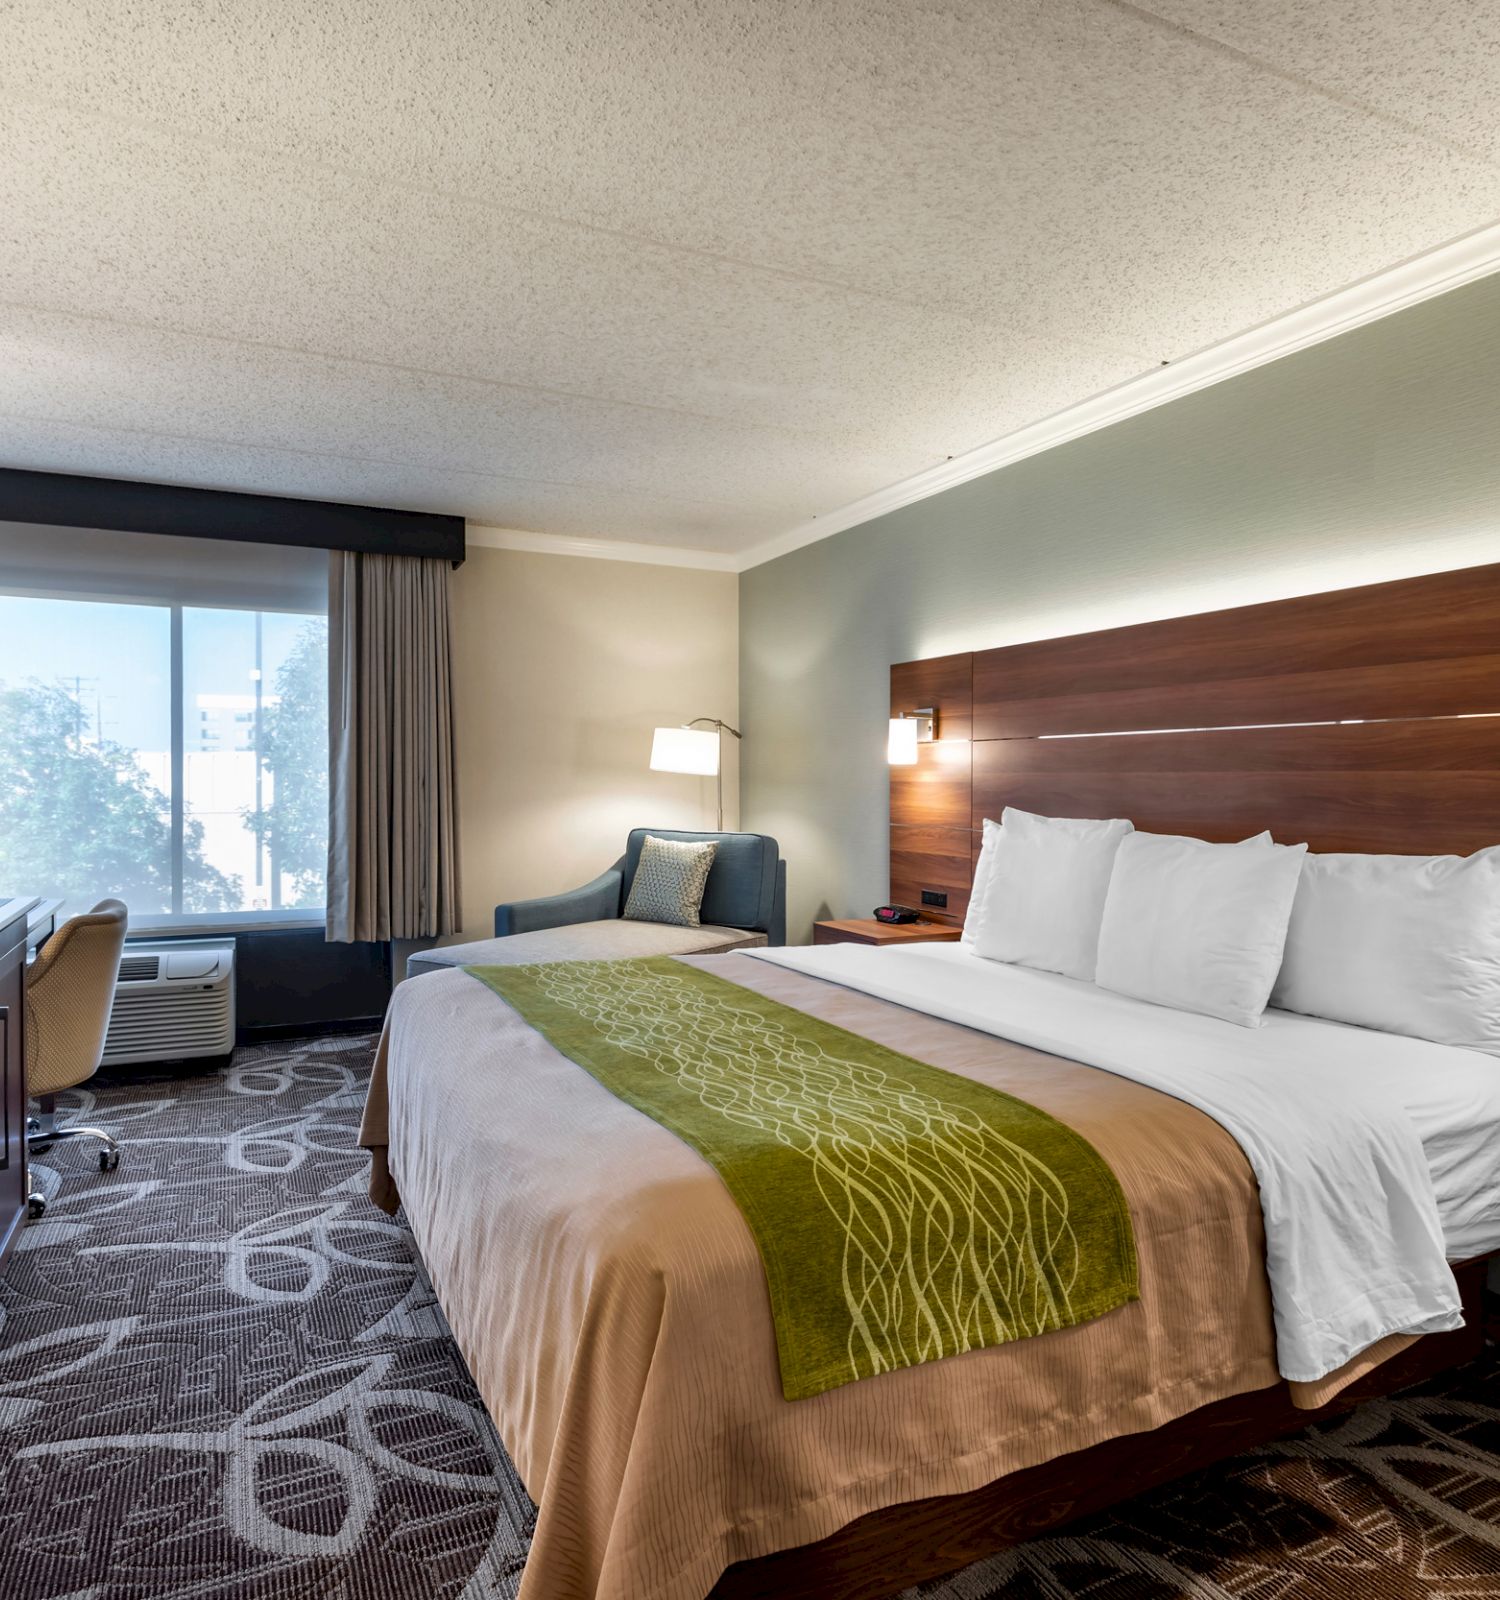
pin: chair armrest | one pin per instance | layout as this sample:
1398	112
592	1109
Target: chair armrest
594	902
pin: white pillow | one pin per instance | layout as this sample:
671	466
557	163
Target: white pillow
1045	892
1198	926
1407	944
983	870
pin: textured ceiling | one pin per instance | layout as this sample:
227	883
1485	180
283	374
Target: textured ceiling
686	272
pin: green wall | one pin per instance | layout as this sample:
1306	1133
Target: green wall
1374	455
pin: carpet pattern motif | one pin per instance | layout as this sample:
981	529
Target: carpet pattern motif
223	1374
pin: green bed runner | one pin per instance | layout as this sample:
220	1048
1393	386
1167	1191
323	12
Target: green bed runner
903	1213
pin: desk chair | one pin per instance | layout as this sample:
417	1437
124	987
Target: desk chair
70	988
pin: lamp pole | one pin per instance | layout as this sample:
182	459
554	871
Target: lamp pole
722	728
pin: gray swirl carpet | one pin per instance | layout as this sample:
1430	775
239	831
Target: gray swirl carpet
223	1374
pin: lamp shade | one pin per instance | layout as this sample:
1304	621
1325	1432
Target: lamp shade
901	746
686	750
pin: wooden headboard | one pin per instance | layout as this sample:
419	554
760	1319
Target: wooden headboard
1364	719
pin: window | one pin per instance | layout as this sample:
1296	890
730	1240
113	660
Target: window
172	754
255	798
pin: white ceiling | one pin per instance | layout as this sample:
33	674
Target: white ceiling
682	272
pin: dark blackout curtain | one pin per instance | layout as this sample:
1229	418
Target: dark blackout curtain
392	794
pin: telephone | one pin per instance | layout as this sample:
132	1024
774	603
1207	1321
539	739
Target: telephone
895	914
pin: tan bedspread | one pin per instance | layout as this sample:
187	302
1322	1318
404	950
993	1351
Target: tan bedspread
613	1310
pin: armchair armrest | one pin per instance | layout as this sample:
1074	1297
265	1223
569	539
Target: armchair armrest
594	902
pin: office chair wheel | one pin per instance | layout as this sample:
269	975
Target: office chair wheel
36	1206
108	1160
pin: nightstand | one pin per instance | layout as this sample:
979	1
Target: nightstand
866	930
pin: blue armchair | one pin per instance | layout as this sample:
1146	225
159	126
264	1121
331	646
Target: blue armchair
746	889
744	904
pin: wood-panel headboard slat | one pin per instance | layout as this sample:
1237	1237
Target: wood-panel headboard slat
1435	618
1457	686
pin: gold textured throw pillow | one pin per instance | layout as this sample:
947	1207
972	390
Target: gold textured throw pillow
669	881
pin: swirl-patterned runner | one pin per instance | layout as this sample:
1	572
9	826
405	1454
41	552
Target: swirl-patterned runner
903	1213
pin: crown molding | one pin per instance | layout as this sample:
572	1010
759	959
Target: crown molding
567	544
1423	277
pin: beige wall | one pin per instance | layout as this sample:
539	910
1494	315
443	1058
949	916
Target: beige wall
564	665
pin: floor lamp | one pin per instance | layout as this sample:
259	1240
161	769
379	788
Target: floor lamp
694	749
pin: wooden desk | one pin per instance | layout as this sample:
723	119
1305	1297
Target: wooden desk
13	1185
41	924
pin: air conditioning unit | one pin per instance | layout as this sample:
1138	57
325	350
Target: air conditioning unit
174	998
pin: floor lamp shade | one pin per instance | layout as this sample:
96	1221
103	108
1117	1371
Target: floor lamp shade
694	750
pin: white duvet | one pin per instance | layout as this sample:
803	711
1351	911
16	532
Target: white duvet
1355	1246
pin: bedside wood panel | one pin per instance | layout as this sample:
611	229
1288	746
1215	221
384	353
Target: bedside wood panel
936	791
932	858
946	683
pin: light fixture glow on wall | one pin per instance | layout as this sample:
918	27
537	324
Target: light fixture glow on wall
695	750
907	731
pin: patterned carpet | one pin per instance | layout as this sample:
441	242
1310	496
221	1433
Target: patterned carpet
223	1377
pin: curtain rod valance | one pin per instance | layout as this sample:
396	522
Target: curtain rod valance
63	499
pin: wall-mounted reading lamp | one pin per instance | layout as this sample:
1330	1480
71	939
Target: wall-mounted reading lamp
696	750
909	730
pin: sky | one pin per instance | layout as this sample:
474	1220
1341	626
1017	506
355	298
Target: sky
119	657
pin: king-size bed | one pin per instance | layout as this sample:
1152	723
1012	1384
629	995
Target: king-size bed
1297	1192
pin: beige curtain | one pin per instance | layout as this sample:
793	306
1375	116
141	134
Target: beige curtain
392	797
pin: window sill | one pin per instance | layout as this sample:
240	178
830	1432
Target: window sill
211	924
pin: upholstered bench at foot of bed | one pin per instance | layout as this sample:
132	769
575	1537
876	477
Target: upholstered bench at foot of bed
616	939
